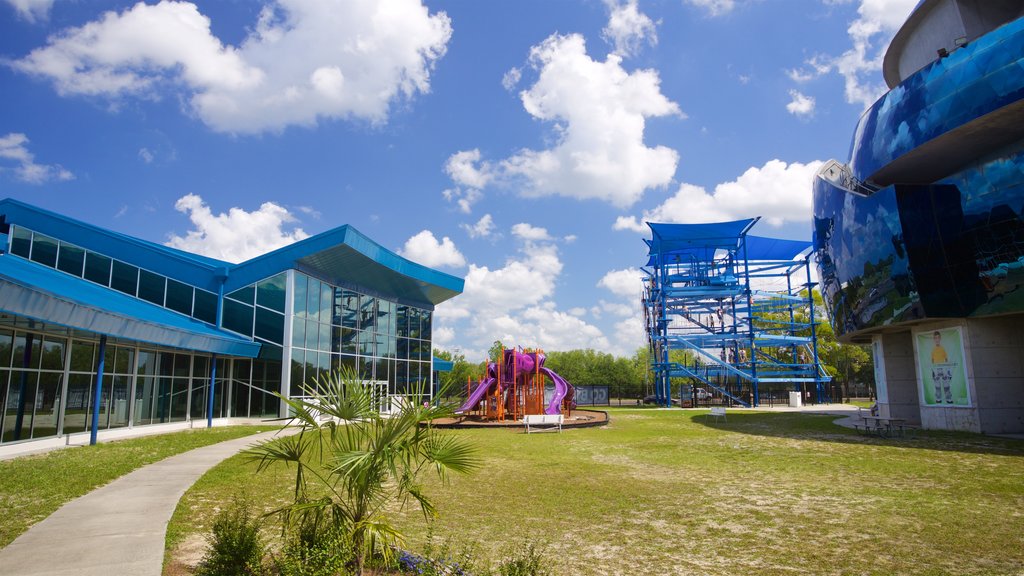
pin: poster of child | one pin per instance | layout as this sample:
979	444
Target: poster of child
942	378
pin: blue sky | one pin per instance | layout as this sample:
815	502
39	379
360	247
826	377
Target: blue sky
518	144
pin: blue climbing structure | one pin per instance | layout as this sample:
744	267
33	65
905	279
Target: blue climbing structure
739	306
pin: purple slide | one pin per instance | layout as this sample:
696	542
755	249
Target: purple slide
481	390
561	390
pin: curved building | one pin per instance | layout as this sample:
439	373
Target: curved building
101	332
920	235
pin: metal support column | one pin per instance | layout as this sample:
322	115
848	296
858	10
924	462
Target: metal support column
99	391
209	395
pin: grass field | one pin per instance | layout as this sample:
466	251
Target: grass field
666	492
33	487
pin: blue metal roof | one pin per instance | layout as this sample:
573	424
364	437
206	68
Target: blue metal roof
346	257
34	291
190	268
343	256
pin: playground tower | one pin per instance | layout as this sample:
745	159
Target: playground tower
740	305
514	387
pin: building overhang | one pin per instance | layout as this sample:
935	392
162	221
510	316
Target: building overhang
39	293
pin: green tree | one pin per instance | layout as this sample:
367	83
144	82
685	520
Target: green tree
353	464
455	381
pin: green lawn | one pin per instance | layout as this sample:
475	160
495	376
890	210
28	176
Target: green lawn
33	487
665	492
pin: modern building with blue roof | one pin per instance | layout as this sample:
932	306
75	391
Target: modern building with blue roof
920	234
100	331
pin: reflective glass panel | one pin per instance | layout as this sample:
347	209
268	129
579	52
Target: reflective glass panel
151	287
269	325
82	356
313	300
350	309
97	268
44	250
238	317
21	242
119	401
270	293
245	294
179	297
71	259
76	413
125	278
205	308
301	291
6	344
53	354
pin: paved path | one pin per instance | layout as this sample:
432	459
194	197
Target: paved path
118	528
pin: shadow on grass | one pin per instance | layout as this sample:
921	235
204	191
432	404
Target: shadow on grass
821	427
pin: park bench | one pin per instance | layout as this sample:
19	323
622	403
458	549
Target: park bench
543	422
718	412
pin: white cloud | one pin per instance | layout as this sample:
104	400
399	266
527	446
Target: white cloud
627	283
465	169
14	147
425	249
801	104
530	233
32	10
470	174
304	60
236	235
870	34
513	303
714	7
778	192
511	78
482	229
569	239
799	76
599	110
628	28
146	155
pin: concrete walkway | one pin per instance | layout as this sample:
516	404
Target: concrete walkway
118	528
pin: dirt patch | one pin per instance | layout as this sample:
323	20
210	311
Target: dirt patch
187	555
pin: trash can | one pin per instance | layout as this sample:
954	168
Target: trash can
794	399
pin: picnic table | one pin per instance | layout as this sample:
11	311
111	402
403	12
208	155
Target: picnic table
881	426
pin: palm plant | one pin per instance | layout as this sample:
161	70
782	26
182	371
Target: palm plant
352	462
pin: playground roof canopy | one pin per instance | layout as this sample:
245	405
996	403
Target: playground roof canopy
685	242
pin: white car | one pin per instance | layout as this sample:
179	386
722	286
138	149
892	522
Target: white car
703	394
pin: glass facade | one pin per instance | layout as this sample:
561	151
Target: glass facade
121	276
379	339
47	386
951	249
48	373
970	82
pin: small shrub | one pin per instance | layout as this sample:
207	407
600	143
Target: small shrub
526	560
236	545
317	552
448	559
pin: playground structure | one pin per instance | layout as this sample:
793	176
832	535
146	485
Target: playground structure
514	387
740	306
